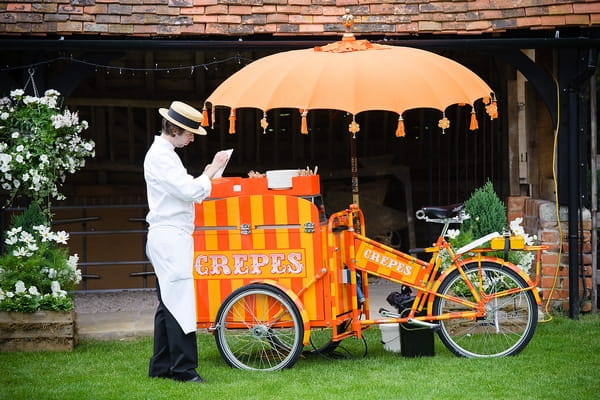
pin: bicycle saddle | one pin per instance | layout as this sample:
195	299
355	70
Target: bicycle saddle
449	211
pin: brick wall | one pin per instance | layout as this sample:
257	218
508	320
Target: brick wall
540	219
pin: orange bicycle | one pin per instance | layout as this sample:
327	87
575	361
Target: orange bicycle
280	275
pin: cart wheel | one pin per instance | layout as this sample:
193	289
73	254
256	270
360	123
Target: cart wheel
259	328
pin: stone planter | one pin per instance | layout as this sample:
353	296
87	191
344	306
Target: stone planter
38	331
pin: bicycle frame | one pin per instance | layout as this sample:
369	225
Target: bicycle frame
370	257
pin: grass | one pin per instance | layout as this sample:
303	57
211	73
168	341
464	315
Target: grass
561	362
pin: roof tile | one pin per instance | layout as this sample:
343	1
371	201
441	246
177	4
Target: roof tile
290	17
19	7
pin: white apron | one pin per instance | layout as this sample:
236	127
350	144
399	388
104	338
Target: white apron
171	251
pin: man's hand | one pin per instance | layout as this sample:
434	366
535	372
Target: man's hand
218	162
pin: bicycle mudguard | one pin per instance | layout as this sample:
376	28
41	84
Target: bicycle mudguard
482	259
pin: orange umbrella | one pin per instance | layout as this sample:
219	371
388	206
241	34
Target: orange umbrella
354	76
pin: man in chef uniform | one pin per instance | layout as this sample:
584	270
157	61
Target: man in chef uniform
172	193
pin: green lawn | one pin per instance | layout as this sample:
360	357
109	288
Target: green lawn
561	362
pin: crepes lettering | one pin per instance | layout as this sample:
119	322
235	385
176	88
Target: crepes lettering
385	261
285	263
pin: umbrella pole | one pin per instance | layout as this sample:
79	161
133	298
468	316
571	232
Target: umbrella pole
354	169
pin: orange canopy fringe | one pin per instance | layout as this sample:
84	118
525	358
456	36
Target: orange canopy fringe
304	124
474	125
204	116
232	122
400	129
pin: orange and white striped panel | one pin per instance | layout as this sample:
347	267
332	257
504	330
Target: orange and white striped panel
239	240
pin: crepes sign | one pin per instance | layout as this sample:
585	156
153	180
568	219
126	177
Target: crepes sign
288	263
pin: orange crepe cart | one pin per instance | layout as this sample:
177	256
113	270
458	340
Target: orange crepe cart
273	273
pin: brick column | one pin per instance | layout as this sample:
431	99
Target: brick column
540	219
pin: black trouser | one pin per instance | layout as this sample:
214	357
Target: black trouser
175	353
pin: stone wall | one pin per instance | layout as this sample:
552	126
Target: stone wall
540	219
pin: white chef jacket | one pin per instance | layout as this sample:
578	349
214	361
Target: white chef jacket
171	195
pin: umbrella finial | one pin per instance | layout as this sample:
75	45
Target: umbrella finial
348	21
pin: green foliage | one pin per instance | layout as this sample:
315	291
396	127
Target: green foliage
36	271
488	214
487	211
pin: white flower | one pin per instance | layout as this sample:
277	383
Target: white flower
452	233
4	115
61	237
15	135
72	261
26	237
33	291
32	247
515	226
14	231
17	93
51	93
51	273
55	286
20	287
44	231
21	252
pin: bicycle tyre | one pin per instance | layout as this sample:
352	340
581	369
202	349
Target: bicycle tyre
258	327
508	325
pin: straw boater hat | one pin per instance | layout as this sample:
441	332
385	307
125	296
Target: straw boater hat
184	116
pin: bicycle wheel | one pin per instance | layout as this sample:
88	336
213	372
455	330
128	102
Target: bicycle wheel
259	328
509	322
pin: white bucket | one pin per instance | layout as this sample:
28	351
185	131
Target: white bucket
390	337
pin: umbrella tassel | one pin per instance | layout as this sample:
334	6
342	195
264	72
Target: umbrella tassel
353	127
400	129
304	123
204	116
444	123
474	125
264	123
232	122
492	108
495	109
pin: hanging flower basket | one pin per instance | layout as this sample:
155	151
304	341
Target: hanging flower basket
40	143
